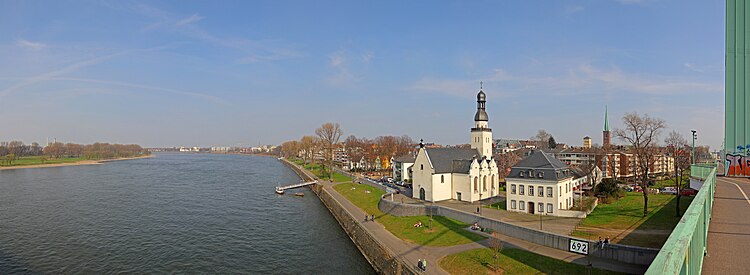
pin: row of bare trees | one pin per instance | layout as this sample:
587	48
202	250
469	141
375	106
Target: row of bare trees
57	150
327	140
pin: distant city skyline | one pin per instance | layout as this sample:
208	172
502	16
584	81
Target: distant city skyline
169	73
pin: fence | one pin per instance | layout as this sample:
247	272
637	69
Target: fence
684	250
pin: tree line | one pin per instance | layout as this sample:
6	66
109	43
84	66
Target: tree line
16	149
327	140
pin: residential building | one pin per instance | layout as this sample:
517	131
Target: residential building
402	167
586	142
539	184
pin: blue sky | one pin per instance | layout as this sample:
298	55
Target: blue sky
171	73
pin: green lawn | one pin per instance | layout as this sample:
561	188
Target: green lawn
36	160
609	220
670	182
498	205
512	261
444	231
320	172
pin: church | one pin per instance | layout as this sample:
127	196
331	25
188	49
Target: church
460	174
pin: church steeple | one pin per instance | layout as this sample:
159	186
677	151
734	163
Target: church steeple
605	133
481	114
606	119
481	134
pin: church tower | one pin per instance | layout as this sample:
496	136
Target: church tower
605	133
481	134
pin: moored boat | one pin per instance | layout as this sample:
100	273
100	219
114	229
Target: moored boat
279	191
299	194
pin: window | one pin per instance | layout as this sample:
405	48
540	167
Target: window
531	190
512	188
566	188
520	174
561	205
541	207
421	167
521	190
476	184
541	191
513	204
560	192
549	208
541	174
521	205
442	178
549	192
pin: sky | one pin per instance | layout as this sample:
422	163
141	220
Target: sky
244	73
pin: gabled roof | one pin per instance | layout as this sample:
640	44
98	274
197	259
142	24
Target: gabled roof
443	159
539	159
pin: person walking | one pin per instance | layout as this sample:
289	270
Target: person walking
365	217
373	217
419	264
424	264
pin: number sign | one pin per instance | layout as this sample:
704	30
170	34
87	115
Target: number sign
579	246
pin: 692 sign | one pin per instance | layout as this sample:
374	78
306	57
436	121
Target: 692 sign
579	246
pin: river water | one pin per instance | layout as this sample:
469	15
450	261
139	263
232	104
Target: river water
174	213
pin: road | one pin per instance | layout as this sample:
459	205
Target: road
729	230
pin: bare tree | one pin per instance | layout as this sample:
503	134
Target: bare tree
497	246
594	156
642	133
329	134
542	139
676	148
307	143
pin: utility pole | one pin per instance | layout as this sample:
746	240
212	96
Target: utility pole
692	149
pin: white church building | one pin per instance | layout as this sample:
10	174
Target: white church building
460	174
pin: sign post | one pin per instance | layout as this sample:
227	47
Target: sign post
579	246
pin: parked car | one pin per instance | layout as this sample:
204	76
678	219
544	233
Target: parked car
669	190
688	192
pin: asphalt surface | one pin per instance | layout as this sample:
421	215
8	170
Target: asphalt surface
729	230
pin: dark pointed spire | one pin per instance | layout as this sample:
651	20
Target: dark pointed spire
481	114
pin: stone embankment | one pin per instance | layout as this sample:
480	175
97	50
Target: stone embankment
382	259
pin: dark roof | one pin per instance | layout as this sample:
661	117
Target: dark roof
408	158
542	166
444	159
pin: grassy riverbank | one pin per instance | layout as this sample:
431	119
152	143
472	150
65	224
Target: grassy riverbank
41	162
624	223
511	261
320	171
444	231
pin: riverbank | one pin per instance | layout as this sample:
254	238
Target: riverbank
82	162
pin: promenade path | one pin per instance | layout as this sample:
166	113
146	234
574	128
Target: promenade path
729	230
411	252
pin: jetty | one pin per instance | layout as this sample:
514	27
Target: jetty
296	185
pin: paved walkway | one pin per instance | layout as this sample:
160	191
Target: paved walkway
729	230
410	252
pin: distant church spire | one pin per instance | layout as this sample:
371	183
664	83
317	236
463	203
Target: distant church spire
605	133
606	119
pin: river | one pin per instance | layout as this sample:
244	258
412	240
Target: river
174	213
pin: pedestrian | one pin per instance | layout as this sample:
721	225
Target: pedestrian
419	264
606	240
365	217
424	264
600	244
373	217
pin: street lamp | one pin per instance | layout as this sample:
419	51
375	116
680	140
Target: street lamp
692	149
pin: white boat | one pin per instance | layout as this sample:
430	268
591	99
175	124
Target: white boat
279	191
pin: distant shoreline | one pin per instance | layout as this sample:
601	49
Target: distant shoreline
77	163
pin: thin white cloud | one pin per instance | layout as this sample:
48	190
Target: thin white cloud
30	45
573	9
144	87
580	80
251	51
627	2
367	57
192	19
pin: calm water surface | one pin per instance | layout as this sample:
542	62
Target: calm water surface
175	213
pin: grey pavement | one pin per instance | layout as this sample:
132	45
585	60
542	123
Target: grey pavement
729	230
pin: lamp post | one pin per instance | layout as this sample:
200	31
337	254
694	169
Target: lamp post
692	149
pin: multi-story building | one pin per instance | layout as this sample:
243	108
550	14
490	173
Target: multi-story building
539	184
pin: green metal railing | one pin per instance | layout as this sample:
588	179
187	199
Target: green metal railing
684	250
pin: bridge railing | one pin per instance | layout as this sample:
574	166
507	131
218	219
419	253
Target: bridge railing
684	250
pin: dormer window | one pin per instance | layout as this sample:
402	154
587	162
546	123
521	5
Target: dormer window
531	174
540	175
520	174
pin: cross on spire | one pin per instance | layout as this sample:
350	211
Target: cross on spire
481	83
